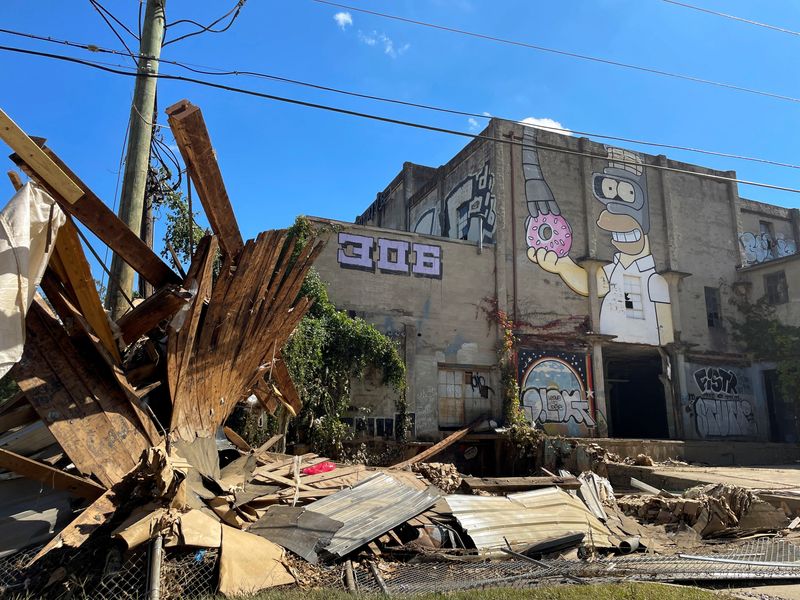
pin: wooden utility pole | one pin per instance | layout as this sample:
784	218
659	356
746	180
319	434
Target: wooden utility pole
134	181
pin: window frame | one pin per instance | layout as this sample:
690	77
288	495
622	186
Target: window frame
776	288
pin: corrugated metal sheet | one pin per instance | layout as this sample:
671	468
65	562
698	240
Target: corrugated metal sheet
370	509
526	518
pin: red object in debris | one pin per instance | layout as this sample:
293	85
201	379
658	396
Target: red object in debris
322	467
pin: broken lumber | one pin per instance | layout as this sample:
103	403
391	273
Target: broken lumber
517	484
32	154
101	220
436	448
55	478
64	388
146	316
191	135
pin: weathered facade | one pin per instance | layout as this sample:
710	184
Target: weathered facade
617	269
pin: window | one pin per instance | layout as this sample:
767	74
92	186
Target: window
463	397
713	307
463	221
775	287
633	297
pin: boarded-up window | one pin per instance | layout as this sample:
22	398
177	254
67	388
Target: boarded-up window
777	291
464	395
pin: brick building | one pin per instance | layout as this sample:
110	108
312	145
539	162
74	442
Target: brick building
618	269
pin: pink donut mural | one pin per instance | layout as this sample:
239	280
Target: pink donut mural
549	231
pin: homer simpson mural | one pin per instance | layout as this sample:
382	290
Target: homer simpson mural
636	303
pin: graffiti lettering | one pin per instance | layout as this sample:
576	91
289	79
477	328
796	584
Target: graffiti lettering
394	256
722	418
470	208
760	247
717	381
556	406
721	402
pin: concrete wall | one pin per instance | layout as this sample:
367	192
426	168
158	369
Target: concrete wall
724	402
755	275
430	293
768	232
591	250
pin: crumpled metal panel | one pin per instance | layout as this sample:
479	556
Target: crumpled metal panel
370	509
526	518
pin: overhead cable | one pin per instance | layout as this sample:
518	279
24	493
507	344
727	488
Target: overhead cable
383	119
733	17
586	57
216	71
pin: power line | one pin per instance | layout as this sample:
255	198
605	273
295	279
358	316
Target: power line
733	17
207	28
383	119
586	57
100	12
98	6
215	71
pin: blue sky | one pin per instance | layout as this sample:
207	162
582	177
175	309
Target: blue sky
280	160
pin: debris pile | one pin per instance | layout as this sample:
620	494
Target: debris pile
445	476
116	460
710	510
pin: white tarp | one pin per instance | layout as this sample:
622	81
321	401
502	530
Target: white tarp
29	221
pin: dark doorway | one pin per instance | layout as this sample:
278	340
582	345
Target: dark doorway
635	393
782	419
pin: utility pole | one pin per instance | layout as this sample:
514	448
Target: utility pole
134	181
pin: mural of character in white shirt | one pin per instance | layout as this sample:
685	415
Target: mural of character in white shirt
636	302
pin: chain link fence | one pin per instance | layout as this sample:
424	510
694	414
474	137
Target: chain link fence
185	574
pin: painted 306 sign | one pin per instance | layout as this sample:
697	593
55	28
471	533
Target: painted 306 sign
394	257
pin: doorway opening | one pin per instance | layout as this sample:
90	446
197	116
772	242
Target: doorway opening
637	406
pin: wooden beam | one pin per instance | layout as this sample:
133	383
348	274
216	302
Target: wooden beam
84	525
147	315
92	212
54	478
237	440
33	155
81	283
194	143
15	180
436	448
19	416
517	484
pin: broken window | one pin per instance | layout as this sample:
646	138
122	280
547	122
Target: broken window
713	314
464	395
767	231
633	297
775	288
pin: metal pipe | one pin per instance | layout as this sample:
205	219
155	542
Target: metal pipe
376	574
154	575
349	577
738	561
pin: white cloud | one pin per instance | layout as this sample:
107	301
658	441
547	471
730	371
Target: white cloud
548	124
374	39
473	124
343	19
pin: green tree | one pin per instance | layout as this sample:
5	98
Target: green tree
325	353
769	340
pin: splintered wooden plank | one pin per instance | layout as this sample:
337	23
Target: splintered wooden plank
33	155
189	414
84	525
152	311
92	212
283	380
81	282
52	477
91	419
194	143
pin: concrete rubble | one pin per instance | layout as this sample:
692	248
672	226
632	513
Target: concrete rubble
126	483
